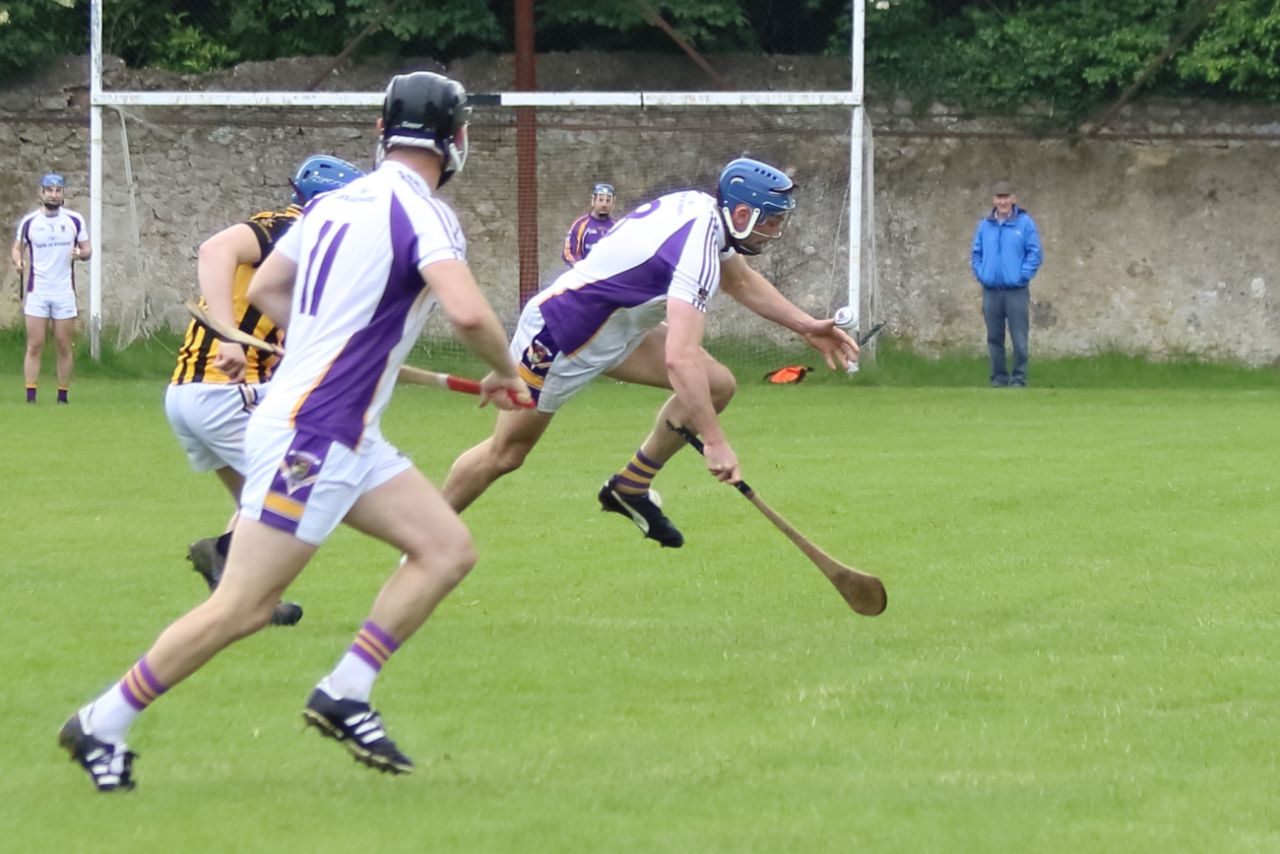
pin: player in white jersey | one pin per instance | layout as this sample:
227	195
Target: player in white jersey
350	282
47	242
663	261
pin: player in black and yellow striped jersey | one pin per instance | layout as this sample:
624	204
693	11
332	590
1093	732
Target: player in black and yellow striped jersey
197	358
216	384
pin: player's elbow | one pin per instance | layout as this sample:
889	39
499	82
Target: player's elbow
466	322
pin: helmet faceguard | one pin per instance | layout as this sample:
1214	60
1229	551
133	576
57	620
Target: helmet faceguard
52	181
765	190
429	111
321	173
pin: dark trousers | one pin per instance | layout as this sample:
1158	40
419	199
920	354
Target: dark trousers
1011	306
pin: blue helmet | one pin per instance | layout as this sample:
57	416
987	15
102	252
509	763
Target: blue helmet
759	186
52	179
321	173
602	190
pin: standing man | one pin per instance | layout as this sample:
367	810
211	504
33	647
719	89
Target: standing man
1006	255
48	241
591	226
216	384
350	282
664	261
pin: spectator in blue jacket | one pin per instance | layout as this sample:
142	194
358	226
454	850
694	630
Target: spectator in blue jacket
1006	256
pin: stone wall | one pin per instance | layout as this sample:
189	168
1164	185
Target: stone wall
1159	233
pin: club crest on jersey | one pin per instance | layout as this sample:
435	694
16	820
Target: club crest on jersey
537	355
300	468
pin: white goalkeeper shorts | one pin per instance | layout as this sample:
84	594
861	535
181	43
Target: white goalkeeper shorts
553	376
59	306
304	484
209	420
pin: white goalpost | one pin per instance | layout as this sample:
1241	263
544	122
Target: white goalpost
602	106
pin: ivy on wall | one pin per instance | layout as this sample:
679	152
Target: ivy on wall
1070	54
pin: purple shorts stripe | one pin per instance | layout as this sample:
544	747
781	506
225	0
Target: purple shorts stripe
280	523
381	636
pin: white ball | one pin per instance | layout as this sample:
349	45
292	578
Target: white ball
846	318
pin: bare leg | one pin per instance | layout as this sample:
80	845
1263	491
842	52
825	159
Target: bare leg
514	436
261	564
36	328
410	514
647	366
63	334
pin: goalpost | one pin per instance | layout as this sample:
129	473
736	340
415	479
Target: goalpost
643	138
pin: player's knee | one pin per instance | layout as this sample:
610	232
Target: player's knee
509	457
447	560
236	617
35	348
723	387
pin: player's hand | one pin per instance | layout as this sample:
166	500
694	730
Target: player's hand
230	360
505	392
722	462
835	345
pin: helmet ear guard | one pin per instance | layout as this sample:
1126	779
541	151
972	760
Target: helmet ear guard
428	111
759	186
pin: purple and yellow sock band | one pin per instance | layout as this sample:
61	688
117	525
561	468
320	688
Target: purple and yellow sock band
638	476
373	646
140	686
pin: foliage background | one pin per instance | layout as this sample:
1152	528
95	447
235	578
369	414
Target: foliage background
1072	54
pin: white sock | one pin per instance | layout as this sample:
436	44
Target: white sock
352	679
110	716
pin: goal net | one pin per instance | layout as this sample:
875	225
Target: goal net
172	168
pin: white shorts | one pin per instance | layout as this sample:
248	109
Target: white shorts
58	306
209	421
304	484
552	376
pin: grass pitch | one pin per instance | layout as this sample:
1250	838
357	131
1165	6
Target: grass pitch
1079	652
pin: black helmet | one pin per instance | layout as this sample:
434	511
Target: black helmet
427	110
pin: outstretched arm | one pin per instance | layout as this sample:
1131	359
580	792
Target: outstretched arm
758	294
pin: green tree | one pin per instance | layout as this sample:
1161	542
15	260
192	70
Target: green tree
32	31
1239	51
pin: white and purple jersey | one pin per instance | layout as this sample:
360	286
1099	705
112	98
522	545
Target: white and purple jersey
359	302
47	242
671	247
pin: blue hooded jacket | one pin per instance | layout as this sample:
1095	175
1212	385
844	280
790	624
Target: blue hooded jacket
1006	254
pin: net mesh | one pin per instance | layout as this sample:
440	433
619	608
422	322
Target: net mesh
174	176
